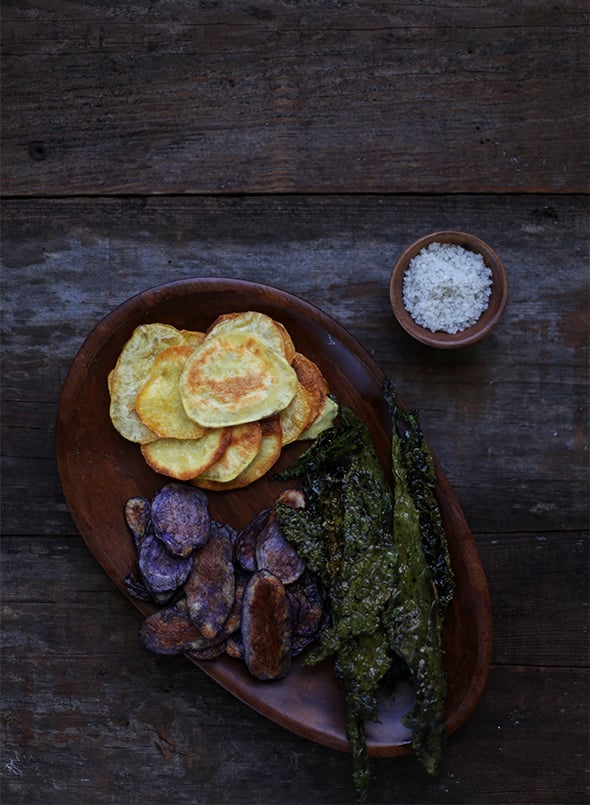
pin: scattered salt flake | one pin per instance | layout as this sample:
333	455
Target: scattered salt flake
446	287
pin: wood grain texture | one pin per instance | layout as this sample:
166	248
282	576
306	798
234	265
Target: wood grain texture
88	715
203	97
67	263
302	145
143	726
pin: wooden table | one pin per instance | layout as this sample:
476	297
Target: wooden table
302	145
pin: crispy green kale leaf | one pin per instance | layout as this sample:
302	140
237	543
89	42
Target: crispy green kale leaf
416	459
365	541
412	622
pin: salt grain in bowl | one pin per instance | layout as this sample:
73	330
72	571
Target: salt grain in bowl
446	287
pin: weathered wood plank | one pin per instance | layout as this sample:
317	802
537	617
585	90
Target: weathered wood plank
274	97
143	728
67	263
156	744
89	715
539	592
186	113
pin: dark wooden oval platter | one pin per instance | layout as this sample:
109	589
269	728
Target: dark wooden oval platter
99	471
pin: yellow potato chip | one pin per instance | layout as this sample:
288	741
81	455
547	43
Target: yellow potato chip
297	415
183	459
288	345
216	407
322	422
131	372
234	378
242	449
311	378
264	327
158	404
192	337
268	453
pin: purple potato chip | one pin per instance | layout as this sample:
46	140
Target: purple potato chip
180	518
245	548
234	646
266	627
162	573
137	517
136	588
210	652
276	554
215	527
210	588
171	631
307	604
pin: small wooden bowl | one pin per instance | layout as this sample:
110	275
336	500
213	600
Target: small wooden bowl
487	320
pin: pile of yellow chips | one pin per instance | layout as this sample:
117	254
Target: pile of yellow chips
216	408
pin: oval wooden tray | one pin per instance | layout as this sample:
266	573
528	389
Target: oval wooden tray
99	471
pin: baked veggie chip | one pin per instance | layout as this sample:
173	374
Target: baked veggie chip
266	627
215	648
244	444
180	518
192	337
138	518
311	378
131	372
308	610
161	572
176	391
184	459
245	548
234	619
158	403
297	415
268	453
323	421
264	327
275	554
233	378
211	585
171	631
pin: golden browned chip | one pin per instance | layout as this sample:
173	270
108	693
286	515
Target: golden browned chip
296	417
311	378
264	327
288	345
233	378
192	337
131	372
269	452
158	404
184	459
243	447
323	421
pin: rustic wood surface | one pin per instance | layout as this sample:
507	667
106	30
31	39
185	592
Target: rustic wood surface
302	146
229	97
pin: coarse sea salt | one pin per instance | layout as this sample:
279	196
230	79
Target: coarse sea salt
446	288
